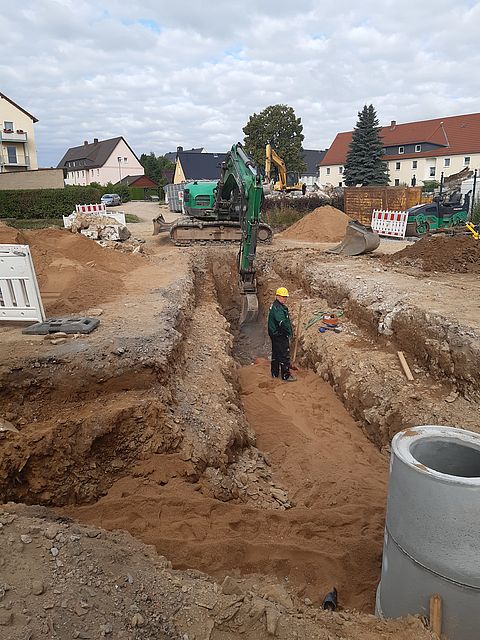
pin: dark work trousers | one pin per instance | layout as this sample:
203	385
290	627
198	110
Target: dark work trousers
280	356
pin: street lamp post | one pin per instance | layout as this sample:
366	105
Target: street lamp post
119	167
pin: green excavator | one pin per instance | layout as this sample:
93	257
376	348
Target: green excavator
226	211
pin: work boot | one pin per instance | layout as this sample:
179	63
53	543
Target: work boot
290	379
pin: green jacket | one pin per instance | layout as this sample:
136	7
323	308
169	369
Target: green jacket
279	321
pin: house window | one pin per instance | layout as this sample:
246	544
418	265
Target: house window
125	159
340	184
401	149
98	172
397	182
466	160
446	162
397	166
8	125
328	171
340	169
432	172
12	155
414	164
418	147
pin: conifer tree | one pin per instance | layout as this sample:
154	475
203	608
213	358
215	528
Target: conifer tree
364	164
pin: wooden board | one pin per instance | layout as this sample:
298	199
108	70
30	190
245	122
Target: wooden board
361	201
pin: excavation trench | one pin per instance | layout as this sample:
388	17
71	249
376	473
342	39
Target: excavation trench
218	466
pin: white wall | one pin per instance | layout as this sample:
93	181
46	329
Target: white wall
112	171
406	171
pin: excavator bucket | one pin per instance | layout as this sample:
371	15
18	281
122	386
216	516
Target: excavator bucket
358	239
249	311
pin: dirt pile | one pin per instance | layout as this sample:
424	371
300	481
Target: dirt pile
454	254
64	580
324	224
73	272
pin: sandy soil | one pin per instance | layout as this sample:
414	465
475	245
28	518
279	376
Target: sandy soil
147	425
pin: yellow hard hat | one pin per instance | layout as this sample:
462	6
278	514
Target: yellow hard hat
281	291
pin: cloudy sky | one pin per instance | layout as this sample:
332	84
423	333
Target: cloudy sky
190	73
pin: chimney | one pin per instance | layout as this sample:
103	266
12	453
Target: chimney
393	124
179	149
85	142
95	141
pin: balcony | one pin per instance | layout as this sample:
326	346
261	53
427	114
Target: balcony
18	161
13	136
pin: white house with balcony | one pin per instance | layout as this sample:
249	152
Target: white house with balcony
415	152
17	138
101	161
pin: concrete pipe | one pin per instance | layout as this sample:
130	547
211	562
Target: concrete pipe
432	538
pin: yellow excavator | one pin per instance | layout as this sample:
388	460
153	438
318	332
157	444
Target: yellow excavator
287	180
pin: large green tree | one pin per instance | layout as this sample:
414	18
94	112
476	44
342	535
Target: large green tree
364	164
154	166
279	126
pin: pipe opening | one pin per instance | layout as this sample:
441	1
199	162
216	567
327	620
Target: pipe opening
448	457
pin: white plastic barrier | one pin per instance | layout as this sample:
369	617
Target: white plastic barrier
389	223
19	293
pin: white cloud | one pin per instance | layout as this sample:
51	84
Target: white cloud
164	74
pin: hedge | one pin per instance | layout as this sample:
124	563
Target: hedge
45	203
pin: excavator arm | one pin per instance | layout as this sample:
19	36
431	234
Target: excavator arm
240	192
271	156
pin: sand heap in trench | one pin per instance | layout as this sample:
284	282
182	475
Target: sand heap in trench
460	254
323	224
73	272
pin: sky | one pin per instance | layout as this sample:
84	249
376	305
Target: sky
190	73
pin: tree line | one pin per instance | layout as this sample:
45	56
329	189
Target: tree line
279	126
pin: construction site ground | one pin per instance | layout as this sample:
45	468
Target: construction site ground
158	483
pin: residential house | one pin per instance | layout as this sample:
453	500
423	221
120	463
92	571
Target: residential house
415	151
312	159
101	161
138	181
172	155
17	137
197	166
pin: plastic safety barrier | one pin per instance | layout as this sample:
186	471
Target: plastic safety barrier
389	223
19	293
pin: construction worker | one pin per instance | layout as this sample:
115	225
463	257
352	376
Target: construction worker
280	332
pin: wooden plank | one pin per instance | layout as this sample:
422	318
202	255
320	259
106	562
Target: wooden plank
405	367
436	614
297	333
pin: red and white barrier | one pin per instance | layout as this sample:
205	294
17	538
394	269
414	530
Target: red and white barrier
390	223
90	208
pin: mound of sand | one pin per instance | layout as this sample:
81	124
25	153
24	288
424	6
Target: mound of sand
457	254
323	224
73	272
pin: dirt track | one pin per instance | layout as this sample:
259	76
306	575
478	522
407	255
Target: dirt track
149	425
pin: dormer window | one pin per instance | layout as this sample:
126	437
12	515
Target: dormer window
401	149
418	147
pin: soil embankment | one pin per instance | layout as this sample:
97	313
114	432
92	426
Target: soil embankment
73	272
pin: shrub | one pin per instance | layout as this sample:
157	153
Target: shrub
45	203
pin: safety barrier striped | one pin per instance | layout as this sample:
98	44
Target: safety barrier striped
389	223
90	208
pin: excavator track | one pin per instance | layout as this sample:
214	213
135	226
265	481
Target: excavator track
185	232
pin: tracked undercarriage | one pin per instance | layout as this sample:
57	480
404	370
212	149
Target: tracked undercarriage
186	231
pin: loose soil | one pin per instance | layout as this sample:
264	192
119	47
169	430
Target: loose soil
73	272
148	425
450	254
324	224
